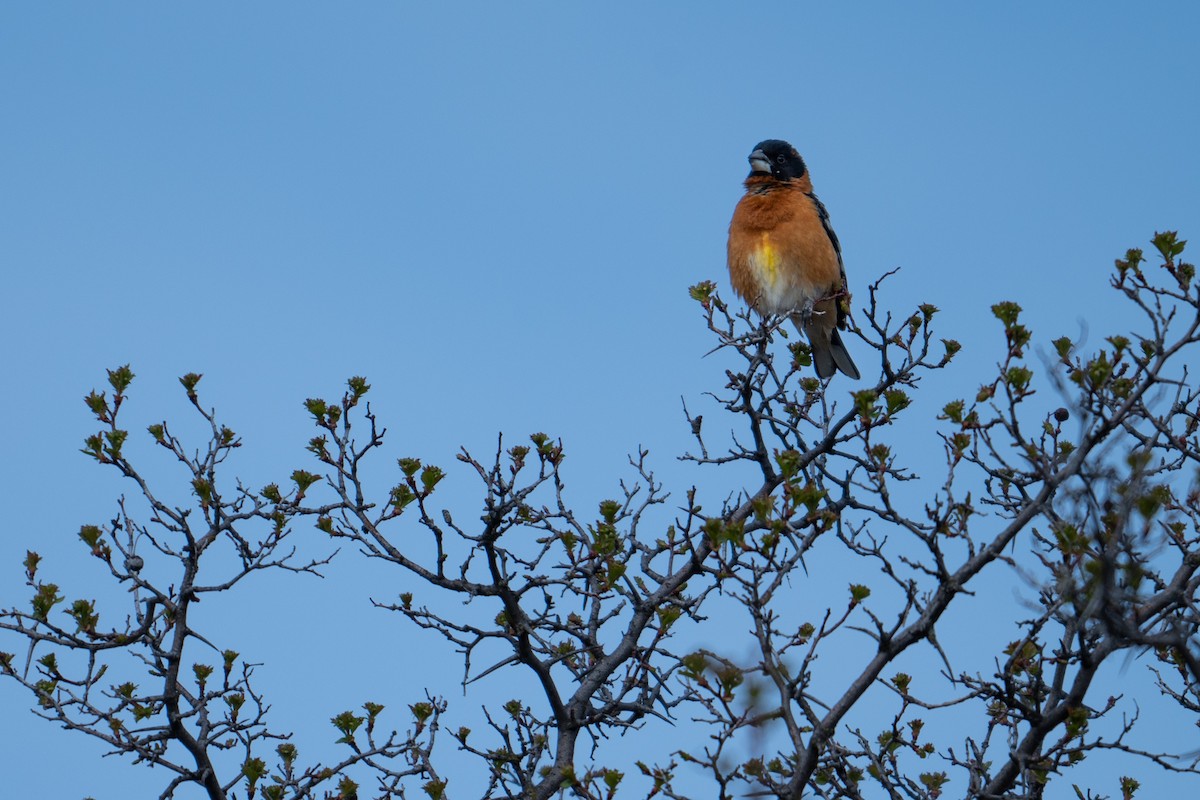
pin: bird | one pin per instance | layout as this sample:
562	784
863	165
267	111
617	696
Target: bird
784	257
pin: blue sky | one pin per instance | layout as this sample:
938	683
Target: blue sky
494	212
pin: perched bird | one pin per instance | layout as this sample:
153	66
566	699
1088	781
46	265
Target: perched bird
784	257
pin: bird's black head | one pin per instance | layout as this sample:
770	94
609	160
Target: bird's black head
778	159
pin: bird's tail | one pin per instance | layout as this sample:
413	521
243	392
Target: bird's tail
832	355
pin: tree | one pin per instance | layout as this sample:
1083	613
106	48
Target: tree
1090	500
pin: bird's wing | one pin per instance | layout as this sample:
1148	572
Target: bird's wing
823	213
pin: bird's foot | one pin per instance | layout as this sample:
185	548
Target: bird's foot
805	312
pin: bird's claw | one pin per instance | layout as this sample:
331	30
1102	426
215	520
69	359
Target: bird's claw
806	313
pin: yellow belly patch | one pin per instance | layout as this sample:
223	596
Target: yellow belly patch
766	260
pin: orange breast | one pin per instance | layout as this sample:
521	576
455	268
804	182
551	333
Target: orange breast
779	253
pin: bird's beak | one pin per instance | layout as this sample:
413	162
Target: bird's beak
759	162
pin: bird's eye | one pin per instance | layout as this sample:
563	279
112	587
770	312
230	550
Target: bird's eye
780	159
